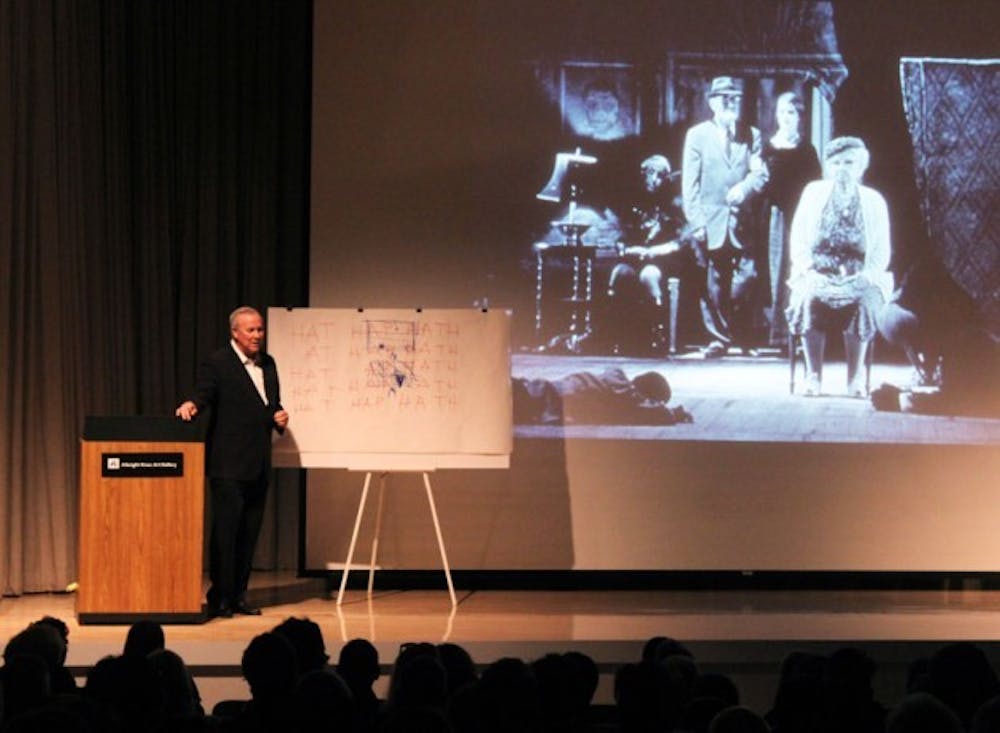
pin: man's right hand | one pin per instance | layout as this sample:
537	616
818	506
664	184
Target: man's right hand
187	411
736	195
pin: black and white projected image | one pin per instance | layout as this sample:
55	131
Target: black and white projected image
627	179
723	225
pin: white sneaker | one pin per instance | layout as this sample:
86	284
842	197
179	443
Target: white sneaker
813	385
856	388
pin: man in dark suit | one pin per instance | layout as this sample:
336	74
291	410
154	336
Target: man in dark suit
239	383
721	173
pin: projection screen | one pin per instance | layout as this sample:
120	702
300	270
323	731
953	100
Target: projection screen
531	157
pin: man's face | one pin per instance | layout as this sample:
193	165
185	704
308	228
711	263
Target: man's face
654	178
248	333
725	107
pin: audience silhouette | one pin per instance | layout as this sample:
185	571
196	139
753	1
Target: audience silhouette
459	668
306	638
358	666
961	677
182	703
921	712
143	638
736	719
439	689
322	701
61	680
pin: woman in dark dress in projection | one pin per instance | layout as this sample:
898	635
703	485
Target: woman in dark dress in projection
792	162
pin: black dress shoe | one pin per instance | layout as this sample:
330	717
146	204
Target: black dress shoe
244	608
222	610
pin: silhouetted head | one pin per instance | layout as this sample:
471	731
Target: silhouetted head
922	713
584	677
458	666
738	719
646	698
40	640
144	637
323	701
131	688
358	663
181	695
987	718
58	624
418	682
699	713
269	666
652	386
849	673
307	639
508	694
962	677
26	683
660	647
800	689
718	685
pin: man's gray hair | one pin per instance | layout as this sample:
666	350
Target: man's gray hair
243	310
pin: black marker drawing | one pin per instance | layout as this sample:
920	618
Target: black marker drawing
393	343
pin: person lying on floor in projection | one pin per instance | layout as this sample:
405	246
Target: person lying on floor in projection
588	398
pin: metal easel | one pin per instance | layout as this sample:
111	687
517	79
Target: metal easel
383	475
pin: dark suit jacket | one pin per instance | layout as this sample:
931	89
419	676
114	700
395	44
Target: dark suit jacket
240	424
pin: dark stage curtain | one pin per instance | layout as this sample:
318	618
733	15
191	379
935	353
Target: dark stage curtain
153	176
873	37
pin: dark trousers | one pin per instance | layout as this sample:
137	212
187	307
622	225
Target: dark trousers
237	514
727	305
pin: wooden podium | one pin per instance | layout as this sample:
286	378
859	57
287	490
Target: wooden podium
141	520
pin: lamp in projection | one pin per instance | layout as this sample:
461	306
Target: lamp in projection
563	187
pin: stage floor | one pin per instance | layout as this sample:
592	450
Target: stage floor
745	634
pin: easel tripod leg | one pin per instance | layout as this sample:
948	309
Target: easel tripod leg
378	530
440	539
354	537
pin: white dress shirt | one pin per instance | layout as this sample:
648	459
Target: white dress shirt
253	369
